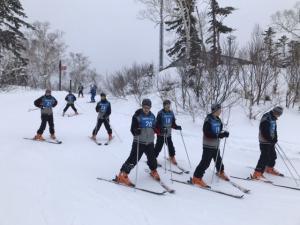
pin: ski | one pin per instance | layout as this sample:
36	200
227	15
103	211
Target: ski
108	141
242	189
268	182
167	188
170	170
71	115
161	183
133	187
250	179
46	140
180	168
209	189
96	142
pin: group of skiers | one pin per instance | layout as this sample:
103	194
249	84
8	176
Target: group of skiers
144	126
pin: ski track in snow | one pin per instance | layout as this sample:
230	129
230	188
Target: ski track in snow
56	184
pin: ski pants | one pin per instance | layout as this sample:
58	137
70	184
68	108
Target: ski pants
46	118
267	157
93	97
106	124
160	141
70	105
80	93
207	155
132	159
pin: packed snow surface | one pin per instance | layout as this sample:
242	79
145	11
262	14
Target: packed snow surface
53	184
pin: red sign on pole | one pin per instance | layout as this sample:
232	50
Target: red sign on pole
63	67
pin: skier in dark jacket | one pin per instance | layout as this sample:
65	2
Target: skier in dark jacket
103	108
212	133
80	90
142	129
267	140
93	92
46	103
70	98
165	121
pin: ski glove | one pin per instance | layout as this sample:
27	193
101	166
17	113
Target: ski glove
137	131
178	128
164	130
224	134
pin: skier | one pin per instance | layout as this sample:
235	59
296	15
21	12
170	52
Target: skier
212	133
142	129
267	141
165	121
80	90
93	92
70	98
103	109
46	103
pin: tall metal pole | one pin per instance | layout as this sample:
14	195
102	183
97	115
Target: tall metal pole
59	84
161	36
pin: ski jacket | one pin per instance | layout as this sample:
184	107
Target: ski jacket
146	123
167	120
212	127
46	103
93	90
70	98
268	129
103	109
80	88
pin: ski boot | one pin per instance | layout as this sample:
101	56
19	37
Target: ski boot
39	137
155	175
223	176
272	171
173	160
199	182
122	178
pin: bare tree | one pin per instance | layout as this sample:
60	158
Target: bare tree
288	21
12	70
78	65
136	80
293	74
152	9
44	50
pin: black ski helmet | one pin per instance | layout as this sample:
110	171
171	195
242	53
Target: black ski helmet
215	107
146	102
278	110
48	91
166	102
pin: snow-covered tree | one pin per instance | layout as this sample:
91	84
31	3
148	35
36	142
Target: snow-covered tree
44	50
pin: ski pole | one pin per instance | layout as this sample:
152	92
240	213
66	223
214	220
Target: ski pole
218	152
114	131
137	160
222	156
33	109
166	141
281	156
187	155
165	154
296	172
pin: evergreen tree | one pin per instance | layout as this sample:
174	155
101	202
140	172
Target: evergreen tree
11	22
188	44
216	15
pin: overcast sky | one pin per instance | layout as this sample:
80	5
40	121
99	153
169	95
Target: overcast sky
109	33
